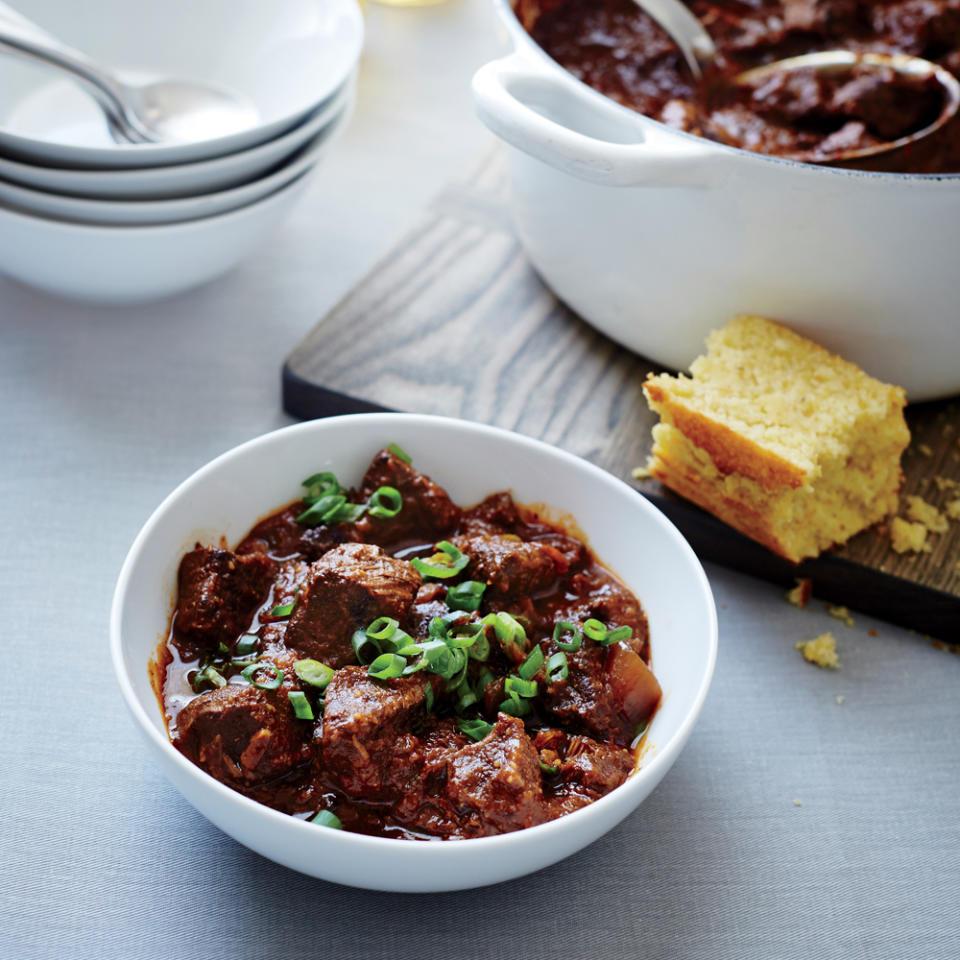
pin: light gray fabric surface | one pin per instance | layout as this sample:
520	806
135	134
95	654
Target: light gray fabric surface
102	412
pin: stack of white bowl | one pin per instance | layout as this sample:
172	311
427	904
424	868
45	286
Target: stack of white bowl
87	218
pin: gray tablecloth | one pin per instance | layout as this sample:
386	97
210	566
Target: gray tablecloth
792	826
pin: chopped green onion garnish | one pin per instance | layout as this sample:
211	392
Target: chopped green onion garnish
428	696
209	674
564	630
480	648
318	511
386	666
385	502
301	705
321	484
598	631
467	699
557	667
222	648
365	648
466	595
313	672
510	633
250	674
621	633
398	452
285	609
346	513
475	729
516	708
246	645
531	666
595	630
640	729
327	819
520	687
447	562
480	683
383	628
548	768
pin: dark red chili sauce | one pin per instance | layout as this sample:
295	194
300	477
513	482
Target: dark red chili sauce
615	47
528	722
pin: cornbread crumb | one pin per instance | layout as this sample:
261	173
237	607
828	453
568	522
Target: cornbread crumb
906	536
799	596
640	473
841	698
924	449
840	613
821	651
953	509
787	443
920	511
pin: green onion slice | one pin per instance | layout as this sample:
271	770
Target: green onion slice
549	769
520	687
399	452
364	647
250	675
209	674
516	708
558	668
346	513
385	502
285	609
321	484
640	729
595	630
510	634
314	673
447	562
467	699
387	666
531	666
301	705
246	645
565	629
480	683
383	628
317	512
475	729
428	696
466	595
615	636
327	819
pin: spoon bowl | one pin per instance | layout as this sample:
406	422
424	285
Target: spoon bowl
177	111
699	52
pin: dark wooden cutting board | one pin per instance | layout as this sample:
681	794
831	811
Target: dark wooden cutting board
454	321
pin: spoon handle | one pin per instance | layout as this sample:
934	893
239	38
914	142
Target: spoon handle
686	31
19	36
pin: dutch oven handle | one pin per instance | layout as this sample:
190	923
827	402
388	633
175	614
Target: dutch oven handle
505	92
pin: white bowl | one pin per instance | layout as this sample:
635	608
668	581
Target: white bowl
181	179
149	212
626	532
122	264
287	56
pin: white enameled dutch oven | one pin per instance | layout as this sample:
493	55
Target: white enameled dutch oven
656	236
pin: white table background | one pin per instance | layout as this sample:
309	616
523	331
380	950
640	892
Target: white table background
104	410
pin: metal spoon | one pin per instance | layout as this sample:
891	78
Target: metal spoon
160	112
700	53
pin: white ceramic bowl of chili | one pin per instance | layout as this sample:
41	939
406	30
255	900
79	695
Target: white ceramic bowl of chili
629	535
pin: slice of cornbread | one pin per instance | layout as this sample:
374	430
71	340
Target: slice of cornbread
781	439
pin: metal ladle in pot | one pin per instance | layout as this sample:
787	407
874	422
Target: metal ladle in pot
700	53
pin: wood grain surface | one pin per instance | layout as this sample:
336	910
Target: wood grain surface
454	321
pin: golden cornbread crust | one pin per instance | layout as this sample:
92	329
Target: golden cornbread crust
788	443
